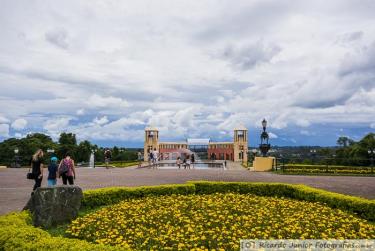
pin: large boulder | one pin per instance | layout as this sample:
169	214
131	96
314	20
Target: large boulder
51	206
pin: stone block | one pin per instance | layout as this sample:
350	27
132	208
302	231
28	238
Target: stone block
51	206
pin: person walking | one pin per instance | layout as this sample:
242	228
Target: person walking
139	159
36	165
107	157
67	170
192	158
178	162
155	158
188	162
150	158
52	172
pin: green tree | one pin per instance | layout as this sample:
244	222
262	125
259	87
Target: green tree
67	144
83	151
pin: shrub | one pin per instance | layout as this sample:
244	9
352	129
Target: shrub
112	195
363	207
16	233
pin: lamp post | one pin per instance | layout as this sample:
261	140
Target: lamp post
313	154
371	152
94	152
16	158
51	151
264	144
121	157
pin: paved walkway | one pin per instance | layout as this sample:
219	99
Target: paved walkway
15	189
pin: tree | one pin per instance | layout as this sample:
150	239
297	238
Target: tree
344	141
67	144
67	139
83	151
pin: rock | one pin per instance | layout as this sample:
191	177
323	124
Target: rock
51	206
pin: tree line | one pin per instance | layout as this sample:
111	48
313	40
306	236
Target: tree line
347	152
67	142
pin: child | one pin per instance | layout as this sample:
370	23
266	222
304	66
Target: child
52	172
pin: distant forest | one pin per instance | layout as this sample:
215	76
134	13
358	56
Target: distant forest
67	142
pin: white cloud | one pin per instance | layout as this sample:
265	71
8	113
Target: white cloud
303	123
18	135
19	124
80	112
200	67
103	102
4	130
307	133
272	135
55	125
101	121
4	120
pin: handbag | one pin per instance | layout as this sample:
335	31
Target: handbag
30	175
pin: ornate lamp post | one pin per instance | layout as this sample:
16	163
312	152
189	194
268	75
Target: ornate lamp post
264	144
371	152
313	154
16	158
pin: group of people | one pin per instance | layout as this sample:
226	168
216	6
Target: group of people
64	169
153	158
186	162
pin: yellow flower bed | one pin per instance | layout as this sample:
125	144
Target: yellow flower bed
215	221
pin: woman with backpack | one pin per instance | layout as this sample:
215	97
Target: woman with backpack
67	170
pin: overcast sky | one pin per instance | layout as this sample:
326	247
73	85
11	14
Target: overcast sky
106	69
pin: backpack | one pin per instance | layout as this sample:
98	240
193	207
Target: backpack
64	167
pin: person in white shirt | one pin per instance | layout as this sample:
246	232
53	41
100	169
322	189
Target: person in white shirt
155	157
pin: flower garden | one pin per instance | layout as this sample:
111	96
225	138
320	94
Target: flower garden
198	216
215	221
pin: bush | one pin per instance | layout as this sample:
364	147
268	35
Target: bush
16	233
326	169
363	207
112	195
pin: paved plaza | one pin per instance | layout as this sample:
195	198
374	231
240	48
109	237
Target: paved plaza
15	189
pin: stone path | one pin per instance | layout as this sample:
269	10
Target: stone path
15	189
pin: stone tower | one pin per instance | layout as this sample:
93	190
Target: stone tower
151	141
240	144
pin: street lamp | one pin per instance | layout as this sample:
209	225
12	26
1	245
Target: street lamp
313	154
16	158
371	152
264	144
50	150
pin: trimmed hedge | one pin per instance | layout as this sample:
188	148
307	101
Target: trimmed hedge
113	195
17	233
362	207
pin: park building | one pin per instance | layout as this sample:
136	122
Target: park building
202	148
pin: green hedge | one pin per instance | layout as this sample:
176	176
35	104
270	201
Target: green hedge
324	167
112	195
362	207
17	233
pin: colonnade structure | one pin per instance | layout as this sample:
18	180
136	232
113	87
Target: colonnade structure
201	148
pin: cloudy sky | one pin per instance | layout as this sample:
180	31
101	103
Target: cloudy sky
106	69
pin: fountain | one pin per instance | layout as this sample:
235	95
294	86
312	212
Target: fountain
92	160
